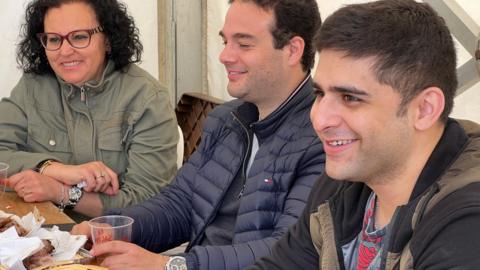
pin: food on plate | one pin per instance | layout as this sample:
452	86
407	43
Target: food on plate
41	257
7	222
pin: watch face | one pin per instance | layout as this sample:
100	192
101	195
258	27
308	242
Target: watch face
75	193
177	263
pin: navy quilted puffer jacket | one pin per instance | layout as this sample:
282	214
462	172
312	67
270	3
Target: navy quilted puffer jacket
290	157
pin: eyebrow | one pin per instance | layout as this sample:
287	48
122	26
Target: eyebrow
350	90
238	35
344	90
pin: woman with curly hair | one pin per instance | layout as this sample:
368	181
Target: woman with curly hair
85	127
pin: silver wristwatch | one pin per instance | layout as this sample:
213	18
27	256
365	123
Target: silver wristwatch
75	193
176	263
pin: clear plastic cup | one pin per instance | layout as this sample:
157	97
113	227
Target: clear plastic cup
3	177
109	228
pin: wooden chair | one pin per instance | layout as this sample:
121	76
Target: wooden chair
191	111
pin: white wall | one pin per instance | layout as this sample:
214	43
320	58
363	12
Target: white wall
12	15
467	105
216	75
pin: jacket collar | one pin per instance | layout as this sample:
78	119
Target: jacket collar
300	98
91	85
453	141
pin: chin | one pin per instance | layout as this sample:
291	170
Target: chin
74	81
235	92
338	173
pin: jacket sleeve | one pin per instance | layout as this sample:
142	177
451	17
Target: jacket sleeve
295	249
239	256
14	131
151	140
164	221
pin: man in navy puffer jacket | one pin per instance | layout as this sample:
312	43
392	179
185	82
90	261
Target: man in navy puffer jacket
250	177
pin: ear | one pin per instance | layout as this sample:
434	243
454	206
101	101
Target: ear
294	50
428	107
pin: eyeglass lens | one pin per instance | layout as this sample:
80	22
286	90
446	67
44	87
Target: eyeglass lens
78	39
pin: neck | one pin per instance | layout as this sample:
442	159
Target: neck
281	92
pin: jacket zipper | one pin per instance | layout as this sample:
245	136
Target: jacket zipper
83	95
388	240
197	237
333	209
247	154
84	98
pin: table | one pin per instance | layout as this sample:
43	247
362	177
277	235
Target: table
20	208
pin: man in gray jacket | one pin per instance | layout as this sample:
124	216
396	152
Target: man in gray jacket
259	156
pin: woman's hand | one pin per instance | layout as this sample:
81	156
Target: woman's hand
123	255
35	187
97	176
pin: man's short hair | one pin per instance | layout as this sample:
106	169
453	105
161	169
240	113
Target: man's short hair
410	41
293	18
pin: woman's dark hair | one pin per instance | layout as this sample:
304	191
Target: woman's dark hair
118	27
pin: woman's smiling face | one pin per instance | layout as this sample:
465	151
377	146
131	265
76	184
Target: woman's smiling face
76	66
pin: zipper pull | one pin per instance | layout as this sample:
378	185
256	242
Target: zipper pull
82	94
241	192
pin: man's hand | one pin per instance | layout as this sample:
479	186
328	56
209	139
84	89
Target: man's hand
123	255
81	229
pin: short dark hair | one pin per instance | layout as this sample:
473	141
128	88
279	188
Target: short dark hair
293	18
410	41
118	27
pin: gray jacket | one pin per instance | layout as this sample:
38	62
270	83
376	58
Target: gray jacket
125	121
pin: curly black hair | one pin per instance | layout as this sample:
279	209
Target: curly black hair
118	27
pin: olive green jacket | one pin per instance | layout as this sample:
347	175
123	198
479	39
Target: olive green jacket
125	121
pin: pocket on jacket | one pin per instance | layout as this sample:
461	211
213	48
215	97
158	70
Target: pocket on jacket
110	139
41	139
111	150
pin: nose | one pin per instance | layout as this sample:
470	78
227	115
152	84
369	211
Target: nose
227	56
66	48
324	114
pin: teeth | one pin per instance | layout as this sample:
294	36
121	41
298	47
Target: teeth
340	142
70	64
